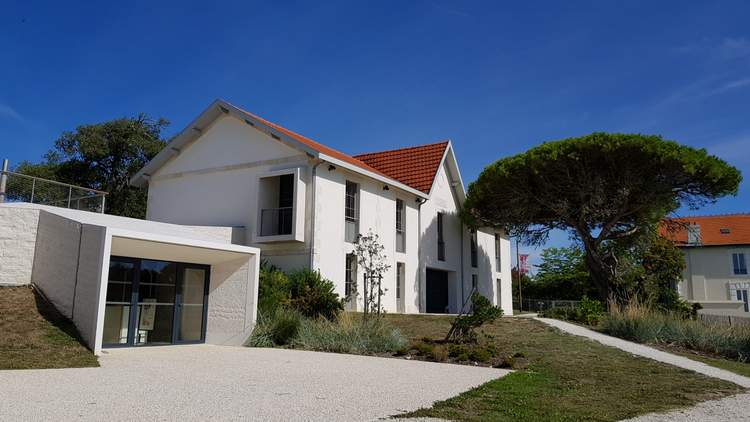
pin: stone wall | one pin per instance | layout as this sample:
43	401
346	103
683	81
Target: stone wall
18	229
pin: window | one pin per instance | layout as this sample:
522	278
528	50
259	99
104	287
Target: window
739	265
474	248
440	240
742	297
350	278
351	212
499	292
400	275
474	282
498	267
400	225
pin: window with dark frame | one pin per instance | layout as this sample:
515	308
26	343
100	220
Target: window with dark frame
400	225
440	240
474	282
497	253
399	279
474	248
350	276
739	264
351	212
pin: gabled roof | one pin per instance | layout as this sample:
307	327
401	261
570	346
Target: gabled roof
715	230
312	148
412	166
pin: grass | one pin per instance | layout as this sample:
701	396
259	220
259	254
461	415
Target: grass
568	379
637	322
33	335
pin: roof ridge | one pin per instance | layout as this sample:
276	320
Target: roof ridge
731	214
446	141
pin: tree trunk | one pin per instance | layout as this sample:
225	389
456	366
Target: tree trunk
600	271
380	293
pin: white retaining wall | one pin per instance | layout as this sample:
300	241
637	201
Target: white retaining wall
17	239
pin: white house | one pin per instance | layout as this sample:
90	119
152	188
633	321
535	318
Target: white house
303	204
717	250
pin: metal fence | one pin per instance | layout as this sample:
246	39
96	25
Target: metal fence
725	319
538	305
17	187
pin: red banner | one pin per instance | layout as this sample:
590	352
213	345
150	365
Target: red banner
524	263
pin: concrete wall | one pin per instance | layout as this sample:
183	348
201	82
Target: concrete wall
88	305
232	301
708	278
18	229
56	260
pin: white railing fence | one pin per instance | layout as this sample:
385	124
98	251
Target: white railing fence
17	187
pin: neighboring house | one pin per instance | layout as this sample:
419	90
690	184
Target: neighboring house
130	282
303	204
717	254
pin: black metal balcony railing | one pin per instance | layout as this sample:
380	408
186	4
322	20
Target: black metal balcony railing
276	221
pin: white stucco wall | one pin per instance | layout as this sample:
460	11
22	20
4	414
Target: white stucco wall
708	278
93	265
17	239
232	301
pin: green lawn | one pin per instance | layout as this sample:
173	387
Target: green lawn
741	368
569	378
33	335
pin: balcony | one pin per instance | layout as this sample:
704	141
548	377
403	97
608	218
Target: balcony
281	205
276	221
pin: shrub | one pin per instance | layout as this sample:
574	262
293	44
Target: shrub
640	323
481	354
589	312
349	335
278	328
313	296
273	289
464	326
439	353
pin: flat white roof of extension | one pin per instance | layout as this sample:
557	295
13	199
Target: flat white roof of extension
142	238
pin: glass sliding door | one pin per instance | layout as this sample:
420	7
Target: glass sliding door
156	300
152	302
192	300
122	272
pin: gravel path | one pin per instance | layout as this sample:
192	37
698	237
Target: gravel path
203	382
734	408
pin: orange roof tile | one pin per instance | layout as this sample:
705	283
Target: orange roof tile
413	166
715	230
317	146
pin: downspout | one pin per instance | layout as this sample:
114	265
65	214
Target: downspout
419	253
312	215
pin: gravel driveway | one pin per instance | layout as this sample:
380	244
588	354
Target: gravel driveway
203	382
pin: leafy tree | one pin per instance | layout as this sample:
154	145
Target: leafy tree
373	262
600	188
104	156
562	274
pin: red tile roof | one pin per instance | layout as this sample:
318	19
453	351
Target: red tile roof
317	146
715	230
414	166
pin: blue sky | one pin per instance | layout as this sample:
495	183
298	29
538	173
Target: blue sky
360	76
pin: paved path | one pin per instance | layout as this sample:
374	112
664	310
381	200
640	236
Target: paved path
733	408
202	382
649	352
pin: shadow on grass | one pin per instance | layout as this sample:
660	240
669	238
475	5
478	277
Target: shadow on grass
48	311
